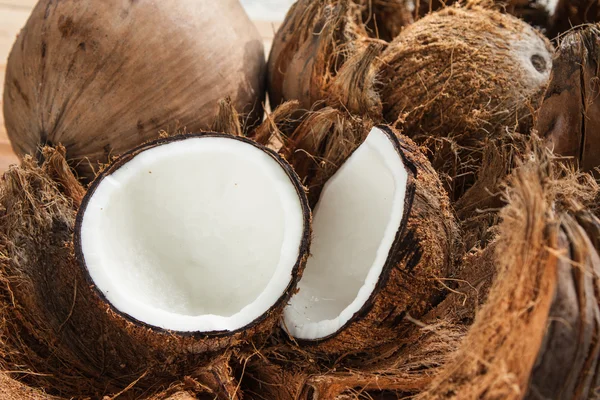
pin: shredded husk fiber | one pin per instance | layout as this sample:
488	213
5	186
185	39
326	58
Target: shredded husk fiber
58	335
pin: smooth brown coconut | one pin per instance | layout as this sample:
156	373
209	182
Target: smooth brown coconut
101	79
61	336
569	118
460	76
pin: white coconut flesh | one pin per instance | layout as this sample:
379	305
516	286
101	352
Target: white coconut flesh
196	235
355	223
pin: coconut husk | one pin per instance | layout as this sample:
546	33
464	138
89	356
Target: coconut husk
477	209
569	118
102	79
309	47
354	87
385	19
402	368
536	336
56	333
454	79
271	133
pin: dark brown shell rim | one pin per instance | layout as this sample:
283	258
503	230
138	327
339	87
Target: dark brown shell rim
390	261
124	159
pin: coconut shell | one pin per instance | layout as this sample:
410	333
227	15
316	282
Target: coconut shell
569	118
103	79
460	76
58	334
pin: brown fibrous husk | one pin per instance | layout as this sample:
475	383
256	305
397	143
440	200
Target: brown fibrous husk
536	335
314	42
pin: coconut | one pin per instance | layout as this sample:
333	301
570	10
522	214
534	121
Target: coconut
120	308
451	80
569	118
103	79
379	252
459	76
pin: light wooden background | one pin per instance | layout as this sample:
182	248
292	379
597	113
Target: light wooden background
13	15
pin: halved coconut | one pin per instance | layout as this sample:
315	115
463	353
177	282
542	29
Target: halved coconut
383	239
202	234
184	249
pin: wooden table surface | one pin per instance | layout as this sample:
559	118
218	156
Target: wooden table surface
13	15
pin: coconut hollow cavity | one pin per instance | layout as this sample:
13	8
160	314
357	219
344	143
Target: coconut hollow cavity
374	259
200	233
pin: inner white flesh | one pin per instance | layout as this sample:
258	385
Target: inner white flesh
355	224
197	235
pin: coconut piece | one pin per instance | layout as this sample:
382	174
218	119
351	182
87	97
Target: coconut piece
103	79
459	76
569	118
57	326
380	250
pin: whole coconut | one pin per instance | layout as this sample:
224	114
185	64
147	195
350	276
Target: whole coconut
457	77
103	77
